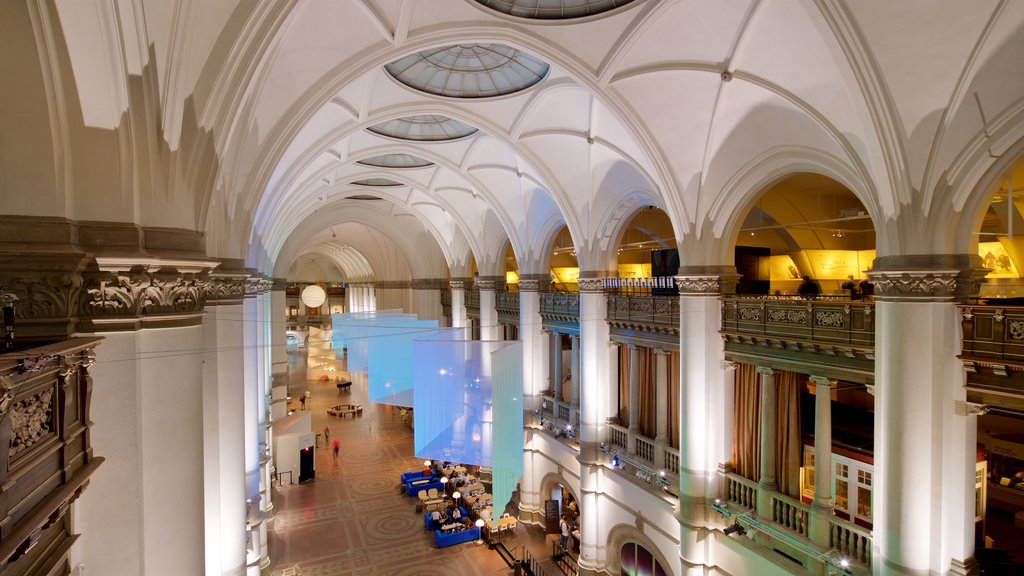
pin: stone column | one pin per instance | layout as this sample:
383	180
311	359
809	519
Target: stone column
593	415
634	398
531	333
705	441
822	506
489	328
923	485
459	305
661	402
372	297
769	398
574	379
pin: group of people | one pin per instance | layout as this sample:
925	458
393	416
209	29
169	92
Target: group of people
566	528
439	519
809	288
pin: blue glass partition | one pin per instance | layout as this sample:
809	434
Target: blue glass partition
390	359
507	410
452	393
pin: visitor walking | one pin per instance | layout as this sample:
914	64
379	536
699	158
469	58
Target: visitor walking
336	446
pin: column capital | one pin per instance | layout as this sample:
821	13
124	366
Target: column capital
730	365
457	283
822	381
765	371
529	284
488	285
926	277
591	285
706	280
661	352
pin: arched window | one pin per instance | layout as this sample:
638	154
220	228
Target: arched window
638	561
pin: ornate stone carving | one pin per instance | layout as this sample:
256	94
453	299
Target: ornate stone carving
707	284
486	284
787	316
31	420
265	285
1016	330
225	288
252	287
918	285
591	285
828	318
142	293
6	394
44	296
457	284
529	285
749	314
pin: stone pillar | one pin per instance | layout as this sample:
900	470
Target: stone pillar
593	416
574	379
372	296
661	402
489	328
923	486
252	387
705	432
634	398
822	506
278	341
769	398
531	333
459	305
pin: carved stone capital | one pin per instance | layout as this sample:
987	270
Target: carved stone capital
591	285
765	371
821	381
489	285
529	285
224	288
707	285
252	287
926	285
457	284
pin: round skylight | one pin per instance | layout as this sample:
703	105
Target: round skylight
376	182
423	127
468	70
395	161
553	9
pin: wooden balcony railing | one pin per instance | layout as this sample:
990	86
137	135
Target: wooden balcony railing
831	321
644	310
507	302
560	304
44	404
993	353
472	299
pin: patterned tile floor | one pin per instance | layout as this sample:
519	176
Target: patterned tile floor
351	518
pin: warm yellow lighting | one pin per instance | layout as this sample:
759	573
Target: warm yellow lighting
512	277
996	259
634	270
566	275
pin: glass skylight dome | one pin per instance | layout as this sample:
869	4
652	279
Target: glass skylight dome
424	128
395	161
376	182
469	70
552	9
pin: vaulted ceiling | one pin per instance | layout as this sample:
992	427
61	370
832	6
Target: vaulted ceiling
430	133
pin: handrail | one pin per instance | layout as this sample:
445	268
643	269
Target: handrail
850	540
741	491
790	513
835	321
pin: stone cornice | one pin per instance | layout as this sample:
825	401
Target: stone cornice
924	285
457	283
393	285
489	285
591	285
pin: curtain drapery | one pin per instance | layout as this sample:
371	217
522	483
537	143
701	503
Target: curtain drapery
648	409
746	450
624	386
787	434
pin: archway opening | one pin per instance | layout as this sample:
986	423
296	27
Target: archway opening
805	227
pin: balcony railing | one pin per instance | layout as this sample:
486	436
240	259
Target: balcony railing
472	299
835	321
507	302
618	436
644	448
993	354
792	520
566	304
644	309
672	461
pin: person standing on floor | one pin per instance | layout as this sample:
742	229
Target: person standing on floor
563	540
309	400
336	446
302	401
327	434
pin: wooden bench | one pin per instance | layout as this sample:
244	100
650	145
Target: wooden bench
344	386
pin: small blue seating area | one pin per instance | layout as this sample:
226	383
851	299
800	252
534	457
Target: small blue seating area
410	476
445	540
412	489
426	517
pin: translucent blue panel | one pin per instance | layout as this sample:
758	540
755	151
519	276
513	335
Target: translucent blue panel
452	394
507	411
352	330
390	361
